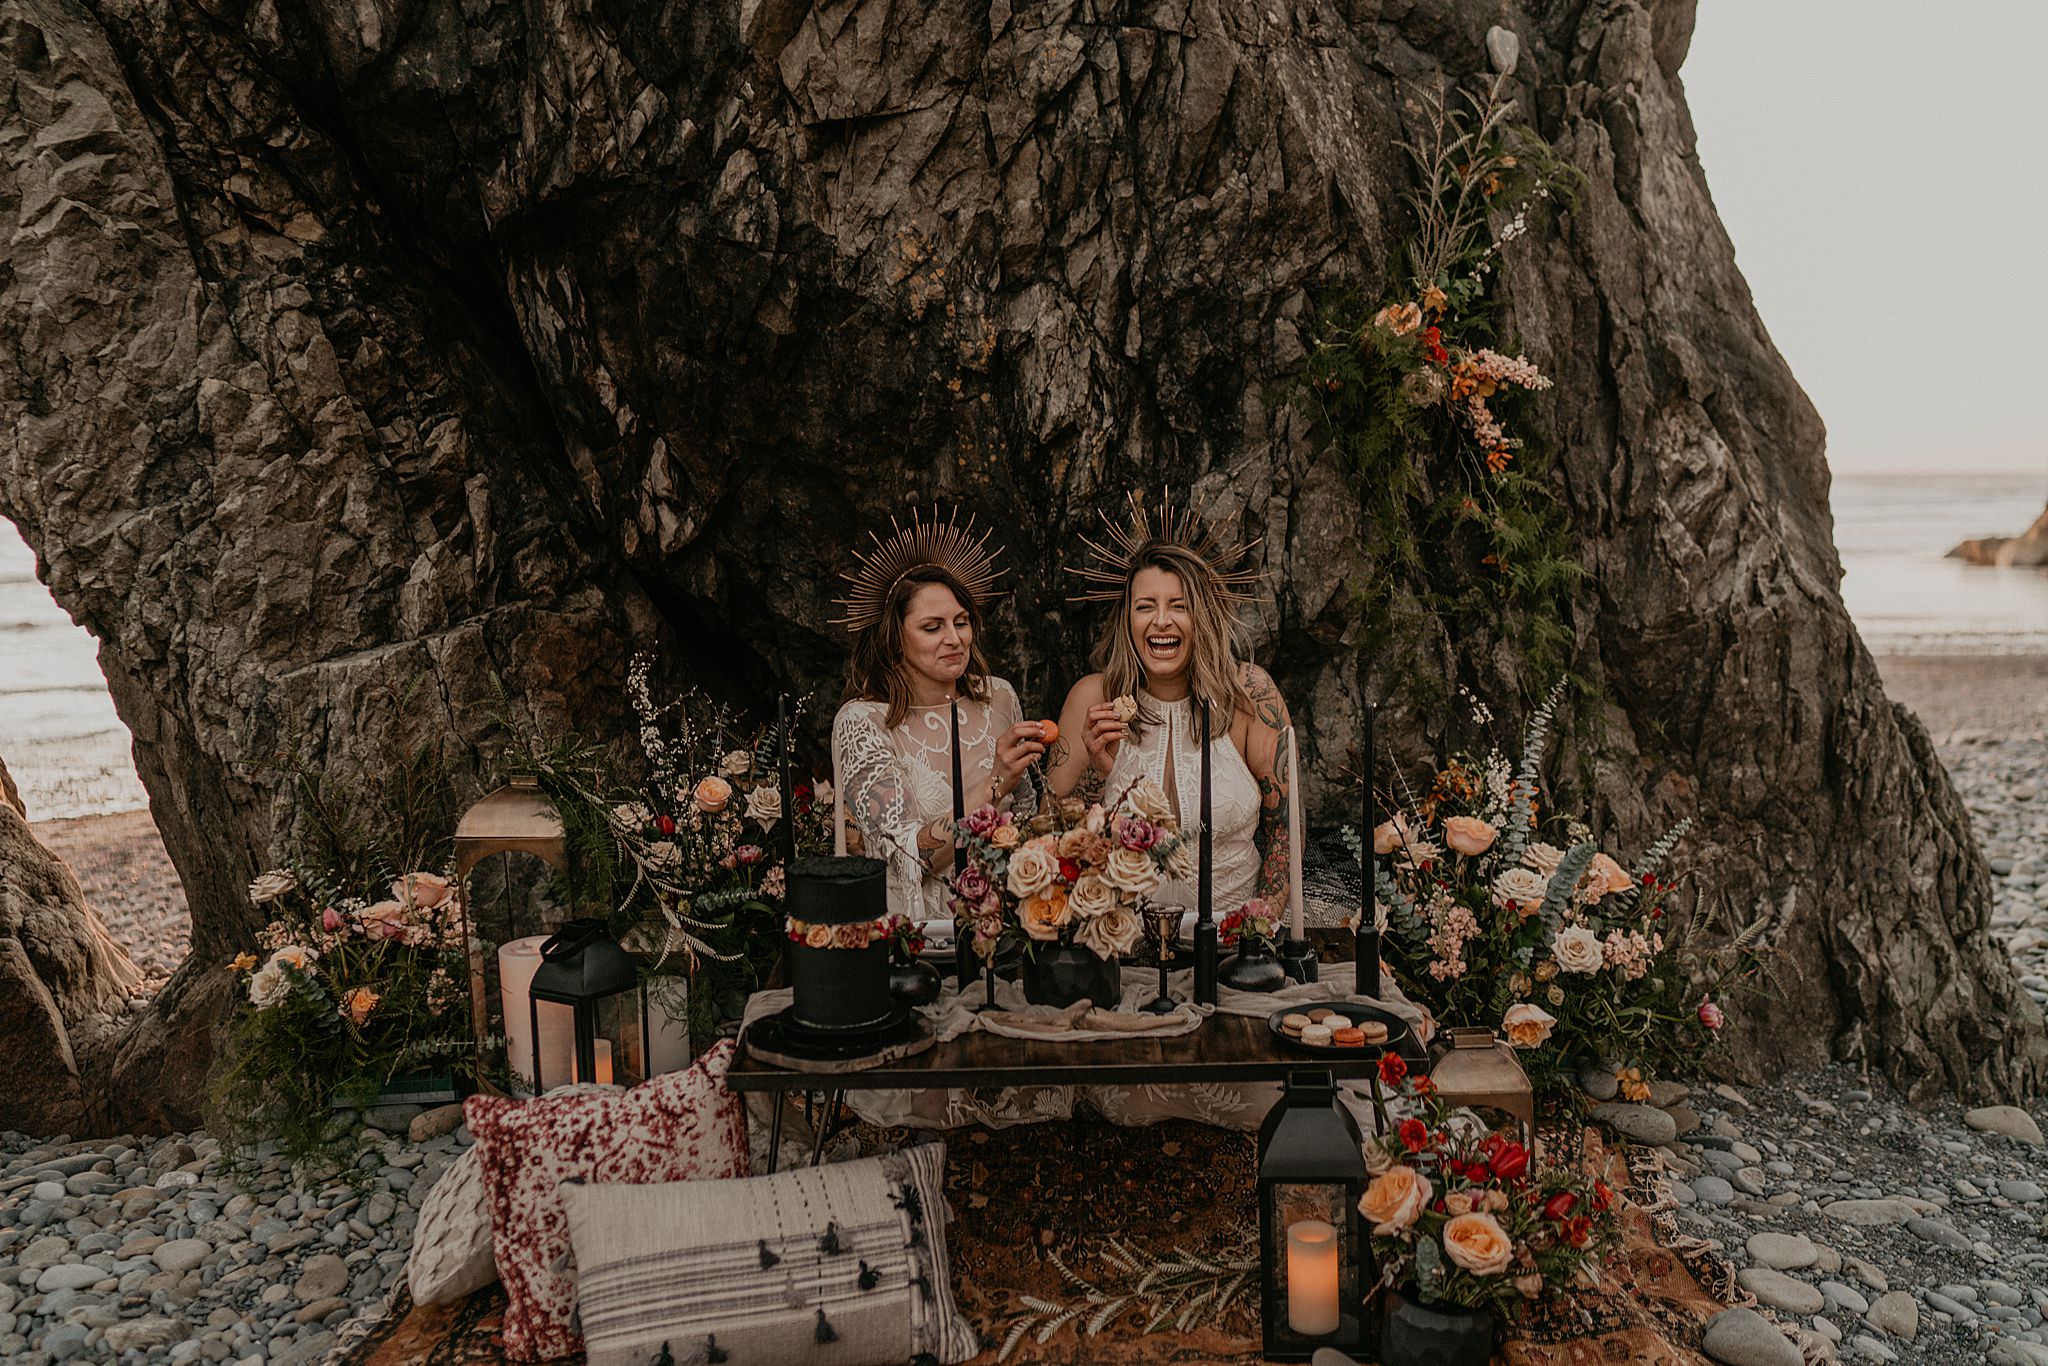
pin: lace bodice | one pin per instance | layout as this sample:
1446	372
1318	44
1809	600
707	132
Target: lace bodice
1233	798
891	782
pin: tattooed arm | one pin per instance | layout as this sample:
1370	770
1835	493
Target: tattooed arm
1069	763
1263	755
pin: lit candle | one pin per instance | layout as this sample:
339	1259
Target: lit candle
1312	1278
518	959
1294	903
603	1049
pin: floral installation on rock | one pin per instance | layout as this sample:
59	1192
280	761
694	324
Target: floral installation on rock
1574	959
358	973
1251	928
858	934
1460	1215
1075	873
1421	397
687	858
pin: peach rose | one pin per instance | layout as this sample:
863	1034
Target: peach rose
1604	877
1075	843
428	891
851	936
1458	1202
385	920
711	795
1399	319
1388	836
1528	1026
1478	1243
1044	915
357	1005
818	937
1395	1199
1005	836
1032	869
1469	835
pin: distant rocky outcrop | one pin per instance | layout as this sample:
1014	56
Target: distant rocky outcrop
2028	550
354	352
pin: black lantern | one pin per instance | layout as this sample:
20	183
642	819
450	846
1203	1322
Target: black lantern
1314	1263
584	968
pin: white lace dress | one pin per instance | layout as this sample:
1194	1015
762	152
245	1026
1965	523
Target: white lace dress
892	782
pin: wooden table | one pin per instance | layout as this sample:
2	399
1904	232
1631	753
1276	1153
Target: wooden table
1227	1048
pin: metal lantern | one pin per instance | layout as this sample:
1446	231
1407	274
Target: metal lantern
516	819
1315	1264
1473	1068
584	968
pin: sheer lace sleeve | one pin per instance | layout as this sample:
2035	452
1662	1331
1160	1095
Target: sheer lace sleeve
876	794
1005	711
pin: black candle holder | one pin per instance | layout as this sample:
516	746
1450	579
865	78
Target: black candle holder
1298	957
1366	944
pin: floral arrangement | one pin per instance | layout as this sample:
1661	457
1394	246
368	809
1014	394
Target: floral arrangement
1252	926
1464	1217
1571	956
906	938
1072	874
858	934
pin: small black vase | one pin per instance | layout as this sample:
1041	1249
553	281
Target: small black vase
1253	968
1061	974
915	983
1417	1334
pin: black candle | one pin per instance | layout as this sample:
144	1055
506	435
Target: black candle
1369	913
1205	924
1203	909
963	937
959	791
782	740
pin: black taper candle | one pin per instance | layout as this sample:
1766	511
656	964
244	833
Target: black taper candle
1367	941
782	742
1205	924
963	940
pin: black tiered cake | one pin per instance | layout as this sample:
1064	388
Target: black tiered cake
839	990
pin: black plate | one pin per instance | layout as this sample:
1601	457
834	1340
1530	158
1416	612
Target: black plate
780	1033
1397	1029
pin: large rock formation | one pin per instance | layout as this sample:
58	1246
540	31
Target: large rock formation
352	344
2028	550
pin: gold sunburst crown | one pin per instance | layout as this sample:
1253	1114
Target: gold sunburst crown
1127	540
944	544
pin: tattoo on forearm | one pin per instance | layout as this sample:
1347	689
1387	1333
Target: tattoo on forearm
1275	839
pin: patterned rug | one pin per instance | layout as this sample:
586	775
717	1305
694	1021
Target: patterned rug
1041	1212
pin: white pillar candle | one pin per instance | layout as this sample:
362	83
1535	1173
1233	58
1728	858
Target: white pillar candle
1312	1278
1294	906
668	1030
518	960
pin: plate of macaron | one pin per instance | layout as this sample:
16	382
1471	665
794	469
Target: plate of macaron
1341	1027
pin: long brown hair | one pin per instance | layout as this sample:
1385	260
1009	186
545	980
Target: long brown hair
1212	664
875	673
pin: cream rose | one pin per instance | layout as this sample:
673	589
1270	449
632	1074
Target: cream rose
736	763
385	920
1604	877
665	854
711	795
1519	889
427	891
1148	799
1577	949
818	937
1395	1200
1032	869
1113	932
1005	836
269	986
1130	870
295	957
1458	1202
1075	843
764	805
1181	859
632	816
1469	835
1478	1243
1528	1026
272	885
1045	914
1091	897
1544	858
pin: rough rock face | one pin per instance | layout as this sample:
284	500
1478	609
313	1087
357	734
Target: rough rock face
59	969
349	345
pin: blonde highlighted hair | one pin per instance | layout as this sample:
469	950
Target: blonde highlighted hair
1214	673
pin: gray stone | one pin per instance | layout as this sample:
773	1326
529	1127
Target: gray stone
182	1255
69	1276
1844	1297
321	1276
65	1341
2022	1192
1942	1304
2017	1352
1936	1232
1780	1291
46	1251
1869	1213
2008	1120
1743	1337
392	1118
1642	1123
1712	1190
144	1333
1896	1313
1782	1251
1998	1292
1866	1346
432	1124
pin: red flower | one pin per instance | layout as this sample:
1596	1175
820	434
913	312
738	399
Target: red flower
1510	1163
1414	1135
1433	345
1579	1231
1393	1067
804	795
665	824
1603	1198
1070	871
1560	1205
1422	1086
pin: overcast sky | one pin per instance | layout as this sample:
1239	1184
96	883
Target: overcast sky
1882	167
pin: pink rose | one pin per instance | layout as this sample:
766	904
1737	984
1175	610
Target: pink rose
981	820
711	795
428	891
748	854
1135	832
971	883
333	921
1469	835
1710	1014
385	920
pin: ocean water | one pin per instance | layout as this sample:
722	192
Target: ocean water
70	753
